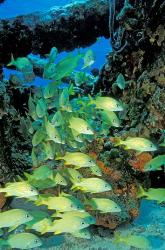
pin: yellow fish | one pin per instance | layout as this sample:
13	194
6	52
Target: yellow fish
22	241
104	205
136	143
157	194
155	163
60	203
92	185
96	170
19	189
74	175
89	59
110	118
53	133
107	103
60	180
82	214
14	217
80	126
21	63
133	240
69	225
78	159
40	225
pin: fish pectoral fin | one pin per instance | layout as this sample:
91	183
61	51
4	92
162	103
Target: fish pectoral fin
12	228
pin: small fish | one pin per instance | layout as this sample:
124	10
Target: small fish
92	185
84	215
155	163
104	205
38	137
78	159
80	125
96	170
41	108
89	59
49	90
40	225
120	81
14	218
133	240
60	180
53	133
76	136
22	241
41	184
60	203
57	119
74	175
136	143
21	63
80	78
110	118
48	150
156	194
53	54
69	225
107	103
64	103
41	173
83	234
19	189
66	66
49	71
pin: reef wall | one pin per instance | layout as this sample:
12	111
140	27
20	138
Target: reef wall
137	34
74	25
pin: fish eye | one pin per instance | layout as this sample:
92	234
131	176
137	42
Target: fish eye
90	161
83	223
27	215
32	190
36	241
117	105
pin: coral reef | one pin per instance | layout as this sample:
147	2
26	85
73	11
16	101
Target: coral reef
142	64
14	145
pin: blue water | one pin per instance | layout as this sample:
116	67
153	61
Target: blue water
12	8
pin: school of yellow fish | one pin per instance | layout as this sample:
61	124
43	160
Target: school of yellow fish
60	125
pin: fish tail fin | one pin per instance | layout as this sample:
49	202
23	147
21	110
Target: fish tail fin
12	62
28	176
59	158
141	192
117	141
39	201
74	187
2	190
56	214
45	230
